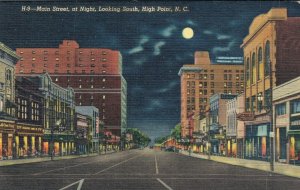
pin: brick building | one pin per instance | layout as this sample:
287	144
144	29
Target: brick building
271	53
201	80
95	75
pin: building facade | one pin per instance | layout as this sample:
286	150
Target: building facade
83	134
270	59
93	113
29	113
218	121
95	75
8	59
199	81
58	118
286	103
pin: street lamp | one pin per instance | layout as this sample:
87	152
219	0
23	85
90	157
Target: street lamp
57	124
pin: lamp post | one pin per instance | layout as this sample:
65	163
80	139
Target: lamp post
57	124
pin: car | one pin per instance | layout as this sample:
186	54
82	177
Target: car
170	149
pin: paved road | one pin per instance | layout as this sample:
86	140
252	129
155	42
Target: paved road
139	169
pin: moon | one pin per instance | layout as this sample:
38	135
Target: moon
187	33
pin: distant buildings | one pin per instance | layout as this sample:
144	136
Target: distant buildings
95	75
199	81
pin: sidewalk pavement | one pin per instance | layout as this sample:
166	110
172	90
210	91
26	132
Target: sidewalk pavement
279	168
44	159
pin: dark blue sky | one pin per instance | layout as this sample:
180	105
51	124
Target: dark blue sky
151	44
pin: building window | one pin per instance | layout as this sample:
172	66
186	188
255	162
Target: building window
68	65
212	76
248	71
253	76
68	71
103	71
205	84
80	86
45	59
267	59
295	106
237	84
237	77
281	109
57	59
44	71
205	76
45	52
92	72
56	52
267	99
79	96
33	59
45	65
83	71
229	76
92	59
103	80
253	103
92	65
33	52
56	65
260	64
1	103
33	65
103	59
34	111
23	109
55	71
212	92
92	86
247	104
32	71
103	97
56	79
225	76
212	85
229	84
225	84
92	97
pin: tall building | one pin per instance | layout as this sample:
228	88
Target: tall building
95	74
271	53
8	59
201	80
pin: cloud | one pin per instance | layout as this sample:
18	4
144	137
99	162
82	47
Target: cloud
217	35
167	32
140	61
157	47
135	50
190	22
224	49
170	86
153	105
143	39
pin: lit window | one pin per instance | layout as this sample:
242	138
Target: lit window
56	79
33	52
92	59
92	86
45	65
103	71
103	97
33	59
104	53
57	59
80	86
103	60
92	97
21	52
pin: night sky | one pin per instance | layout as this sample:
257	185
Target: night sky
151	44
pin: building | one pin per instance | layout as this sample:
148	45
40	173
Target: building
271	58
83	134
286	103
199	81
234	127
95	75
93	113
29	113
218	121
8	59
59	116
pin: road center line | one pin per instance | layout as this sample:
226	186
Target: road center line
156	165
80	182
116	164
164	184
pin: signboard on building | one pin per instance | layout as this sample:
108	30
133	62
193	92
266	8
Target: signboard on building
97	125
245	116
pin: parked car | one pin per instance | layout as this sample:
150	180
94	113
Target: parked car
170	149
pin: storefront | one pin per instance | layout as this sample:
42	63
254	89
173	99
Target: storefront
231	147
7	129
28	140
257	142
294	138
63	144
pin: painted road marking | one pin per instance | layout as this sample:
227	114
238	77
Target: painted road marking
164	184
80	182
156	165
57	169
116	164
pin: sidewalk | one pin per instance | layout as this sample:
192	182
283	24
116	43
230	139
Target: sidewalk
44	159
279	168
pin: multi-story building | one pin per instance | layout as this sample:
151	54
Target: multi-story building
286	100
59	116
93	113
218	121
95	75
234	127
8	59
29	113
199	81
271	58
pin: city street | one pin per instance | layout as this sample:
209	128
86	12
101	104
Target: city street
139	169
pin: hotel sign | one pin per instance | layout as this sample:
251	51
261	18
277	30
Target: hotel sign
7	125
245	116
